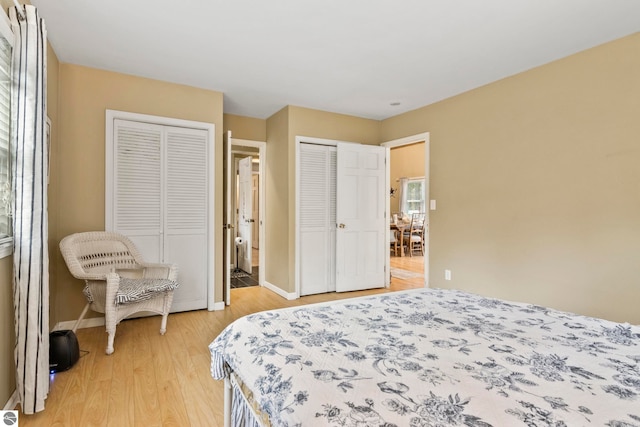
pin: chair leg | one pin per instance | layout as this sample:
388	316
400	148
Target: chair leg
112	335
163	325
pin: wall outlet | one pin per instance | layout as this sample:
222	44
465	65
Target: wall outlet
447	275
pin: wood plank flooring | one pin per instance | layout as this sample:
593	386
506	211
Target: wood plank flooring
154	380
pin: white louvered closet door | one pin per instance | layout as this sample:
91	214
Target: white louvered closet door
137	186
160	201
317	219
185	220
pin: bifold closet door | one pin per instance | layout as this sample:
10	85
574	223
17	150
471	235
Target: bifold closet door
317	219
185	219
137	197
159	200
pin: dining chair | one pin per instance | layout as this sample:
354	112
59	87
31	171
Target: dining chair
394	242
414	238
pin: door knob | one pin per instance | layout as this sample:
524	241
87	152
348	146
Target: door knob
341	226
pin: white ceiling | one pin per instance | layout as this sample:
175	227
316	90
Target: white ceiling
346	56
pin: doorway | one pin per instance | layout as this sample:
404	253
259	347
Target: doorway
409	268
246	214
245	219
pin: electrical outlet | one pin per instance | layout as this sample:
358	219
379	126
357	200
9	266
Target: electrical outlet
447	275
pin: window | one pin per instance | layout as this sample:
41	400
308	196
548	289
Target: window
413	196
6	208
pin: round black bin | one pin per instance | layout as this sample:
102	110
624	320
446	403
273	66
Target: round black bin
63	350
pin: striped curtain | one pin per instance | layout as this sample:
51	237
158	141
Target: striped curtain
30	171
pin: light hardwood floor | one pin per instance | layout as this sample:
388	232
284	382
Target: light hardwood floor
154	380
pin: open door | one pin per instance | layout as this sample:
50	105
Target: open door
245	212
228	228
360	216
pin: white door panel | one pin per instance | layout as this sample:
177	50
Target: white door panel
189	253
149	246
317	220
245	212
314	248
228	230
185	219
360	214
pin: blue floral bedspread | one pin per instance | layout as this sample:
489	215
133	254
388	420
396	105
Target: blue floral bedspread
434	357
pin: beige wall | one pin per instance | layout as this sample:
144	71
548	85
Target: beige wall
276	200
85	95
7	331
54	207
282	129
537	182
242	127
406	161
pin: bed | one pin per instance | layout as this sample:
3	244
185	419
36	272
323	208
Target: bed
428	357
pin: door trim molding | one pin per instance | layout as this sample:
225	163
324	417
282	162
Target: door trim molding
110	117
408	140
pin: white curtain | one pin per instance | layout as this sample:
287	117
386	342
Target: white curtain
30	171
403	196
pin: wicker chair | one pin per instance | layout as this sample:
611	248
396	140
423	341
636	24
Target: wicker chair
118	282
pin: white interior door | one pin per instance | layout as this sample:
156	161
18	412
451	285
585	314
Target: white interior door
245	212
228	230
360	215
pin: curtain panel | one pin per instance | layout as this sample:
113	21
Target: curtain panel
30	226
403	196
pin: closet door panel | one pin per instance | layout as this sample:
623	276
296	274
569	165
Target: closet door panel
317	219
137	186
188	252
185	220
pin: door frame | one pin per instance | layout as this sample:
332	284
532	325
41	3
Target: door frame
230	142
408	140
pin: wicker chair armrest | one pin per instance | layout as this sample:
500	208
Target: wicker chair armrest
91	276
160	271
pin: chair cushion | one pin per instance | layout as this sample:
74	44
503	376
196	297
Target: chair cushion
132	290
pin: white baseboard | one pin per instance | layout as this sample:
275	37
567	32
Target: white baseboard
85	323
12	402
217	306
286	295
